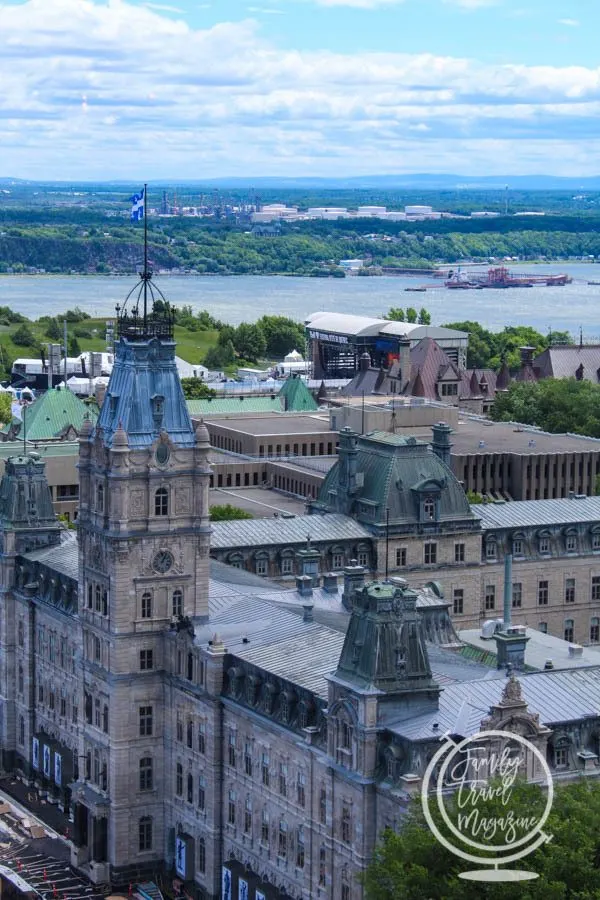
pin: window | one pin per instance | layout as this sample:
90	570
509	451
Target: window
177	606
569	630
21	731
232	749
104	603
179	729
146	605
262	566
190	788
345	891
104	717
146	773
100	498
21	633
96	710
490	549
300	854
490	596
264	767
458	596
201	792
264	828
248	758
323	806
596	587
337	560
282	840
449	389
571	543
179	780
90	596
248	816
322	866
459	553
161	502
401	557
20	680
429	509
146	716
595	630
561	757
190	734
542	593
201	846
569	590
517	595
202	736
346	825
97	649
543	627
231	808
430	554
287	565
517	547
544	546
145	834
98	598
362	558
283	779
301	789
596	541
146	660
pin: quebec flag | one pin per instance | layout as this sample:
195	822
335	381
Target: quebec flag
137	209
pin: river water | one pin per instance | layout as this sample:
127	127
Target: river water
245	298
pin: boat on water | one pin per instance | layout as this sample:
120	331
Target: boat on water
594	282
416	290
500	277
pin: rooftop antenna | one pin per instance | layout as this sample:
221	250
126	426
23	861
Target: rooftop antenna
362	428
145	274
581	337
387	541
505	199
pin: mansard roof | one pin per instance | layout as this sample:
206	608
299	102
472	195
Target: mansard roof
50	416
25	499
284	531
145	396
537	513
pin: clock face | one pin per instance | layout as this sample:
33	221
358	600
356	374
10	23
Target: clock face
162	562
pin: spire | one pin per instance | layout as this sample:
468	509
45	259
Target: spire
503	379
418	386
385	647
26	503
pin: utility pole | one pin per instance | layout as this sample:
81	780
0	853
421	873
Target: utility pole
65	346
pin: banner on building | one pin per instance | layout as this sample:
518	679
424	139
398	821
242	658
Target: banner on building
46	761
242	889
57	769
35	753
180	857
226	884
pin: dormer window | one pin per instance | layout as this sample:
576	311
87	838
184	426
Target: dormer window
491	550
544	546
158	407
571	543
429	509
517	547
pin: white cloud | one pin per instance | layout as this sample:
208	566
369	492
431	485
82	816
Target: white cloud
105	90
569	23
164	7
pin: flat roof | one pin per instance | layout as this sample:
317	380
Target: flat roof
508	437
258	501
525	513
276	424
52	448
540	648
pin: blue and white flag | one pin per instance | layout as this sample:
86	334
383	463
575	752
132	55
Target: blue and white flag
137	209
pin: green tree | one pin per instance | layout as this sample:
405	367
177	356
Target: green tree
557	405
395	314
282	335
24	336
411	315
53	330
424	316
412	865
249	342
73	345
482	343
227	512
196	389
5	407
220	357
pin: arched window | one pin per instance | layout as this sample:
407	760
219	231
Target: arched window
100	498
145	834
201	848
147	605
178	603
179	780
429	508
161	502
146	779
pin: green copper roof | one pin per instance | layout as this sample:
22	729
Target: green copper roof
52	413
233	405
296	397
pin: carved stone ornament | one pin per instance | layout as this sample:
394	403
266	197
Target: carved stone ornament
182	501
137	502
512	691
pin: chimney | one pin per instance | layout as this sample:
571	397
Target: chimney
307	612
526	356
440	444
100	394
364	363
330	583
304	585
354	580
404	362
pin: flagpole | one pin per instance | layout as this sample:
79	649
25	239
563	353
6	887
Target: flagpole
145	255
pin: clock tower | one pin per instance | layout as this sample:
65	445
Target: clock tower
143	568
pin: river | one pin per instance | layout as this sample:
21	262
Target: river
247	297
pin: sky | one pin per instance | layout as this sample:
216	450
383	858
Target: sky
134	89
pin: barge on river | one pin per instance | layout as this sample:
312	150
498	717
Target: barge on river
501	277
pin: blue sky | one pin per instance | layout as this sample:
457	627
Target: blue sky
186	89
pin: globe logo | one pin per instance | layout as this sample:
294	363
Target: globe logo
468	796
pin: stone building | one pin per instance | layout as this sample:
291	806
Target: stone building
219	733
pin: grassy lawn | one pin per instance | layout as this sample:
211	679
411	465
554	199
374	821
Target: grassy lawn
191	345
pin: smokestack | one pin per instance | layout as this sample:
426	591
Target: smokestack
440	444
